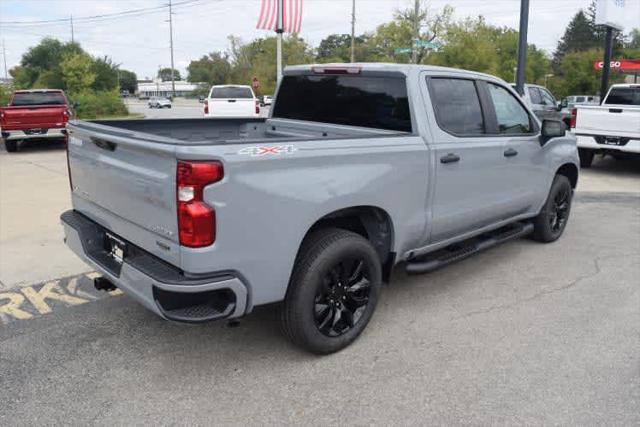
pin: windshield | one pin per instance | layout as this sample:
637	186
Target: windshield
231	92
624	96
376	102
38	98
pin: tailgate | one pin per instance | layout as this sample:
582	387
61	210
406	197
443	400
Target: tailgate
126	184
239	107
608	121
33	116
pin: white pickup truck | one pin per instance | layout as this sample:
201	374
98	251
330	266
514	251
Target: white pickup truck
610	128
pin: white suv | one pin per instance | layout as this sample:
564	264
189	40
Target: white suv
231	101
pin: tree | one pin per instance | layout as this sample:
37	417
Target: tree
258	59
580	34
164	74
337	48
106	74
213	69
128	81
76	72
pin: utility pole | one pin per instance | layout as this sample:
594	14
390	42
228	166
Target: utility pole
522	46
416	32
606	66
353	31
71	23
173	81
4	56
279	32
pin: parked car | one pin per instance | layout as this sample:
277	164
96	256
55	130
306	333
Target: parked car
34	114
359	168
159	102
542	102
569	102
231	101
266	100
610	128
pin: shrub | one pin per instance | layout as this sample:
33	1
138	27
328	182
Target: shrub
91	105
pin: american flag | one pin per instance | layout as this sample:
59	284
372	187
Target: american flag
291	15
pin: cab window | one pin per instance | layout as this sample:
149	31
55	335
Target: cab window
511	116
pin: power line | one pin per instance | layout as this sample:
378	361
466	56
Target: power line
101	17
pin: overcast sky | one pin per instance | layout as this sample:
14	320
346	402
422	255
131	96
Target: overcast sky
141	42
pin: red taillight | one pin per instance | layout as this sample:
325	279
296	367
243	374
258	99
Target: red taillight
196	219
206	106
257	107
574	117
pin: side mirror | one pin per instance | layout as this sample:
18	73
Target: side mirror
552	129
560	106
75	105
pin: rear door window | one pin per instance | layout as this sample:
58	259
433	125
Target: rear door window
379	102
535	95
457	106
231	92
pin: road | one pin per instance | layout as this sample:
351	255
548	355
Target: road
521	334
181	108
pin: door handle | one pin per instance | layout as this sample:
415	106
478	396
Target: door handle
449	158
510	152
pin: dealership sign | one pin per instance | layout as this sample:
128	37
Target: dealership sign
619	64
612	13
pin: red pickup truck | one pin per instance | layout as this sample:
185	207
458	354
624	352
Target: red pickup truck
34	114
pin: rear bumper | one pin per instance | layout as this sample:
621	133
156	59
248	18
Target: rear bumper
586	141
40	133
160	287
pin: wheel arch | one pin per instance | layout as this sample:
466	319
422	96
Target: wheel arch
569	170
371	222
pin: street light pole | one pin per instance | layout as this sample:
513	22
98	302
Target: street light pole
353	31
416	32
173	82
522	46
606	66
279	32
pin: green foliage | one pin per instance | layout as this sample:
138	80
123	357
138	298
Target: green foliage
213	69
577	75
128	81
5	94
92	104
106	74
77	72
258	58
165	74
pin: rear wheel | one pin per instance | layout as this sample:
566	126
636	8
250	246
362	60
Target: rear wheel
553	218
586	157
11	146
333	291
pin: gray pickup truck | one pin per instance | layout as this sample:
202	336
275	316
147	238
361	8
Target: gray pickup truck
358	168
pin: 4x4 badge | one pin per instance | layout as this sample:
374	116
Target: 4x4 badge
259	151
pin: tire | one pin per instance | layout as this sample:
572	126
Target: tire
586	157
11	146
552	219
328	259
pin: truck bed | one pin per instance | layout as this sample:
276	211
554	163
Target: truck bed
215	131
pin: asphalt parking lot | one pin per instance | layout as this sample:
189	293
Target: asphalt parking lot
524	333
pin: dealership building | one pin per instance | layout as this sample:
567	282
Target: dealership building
147	89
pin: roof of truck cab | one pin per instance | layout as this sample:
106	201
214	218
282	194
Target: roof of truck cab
627	85
391	67
37	90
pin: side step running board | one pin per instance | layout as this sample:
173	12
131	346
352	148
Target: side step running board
465	249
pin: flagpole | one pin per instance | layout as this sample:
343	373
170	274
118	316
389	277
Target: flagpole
279	40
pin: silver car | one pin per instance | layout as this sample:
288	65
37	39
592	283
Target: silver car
159	102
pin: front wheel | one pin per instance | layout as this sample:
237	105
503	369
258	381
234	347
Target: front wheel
333	291
552	219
